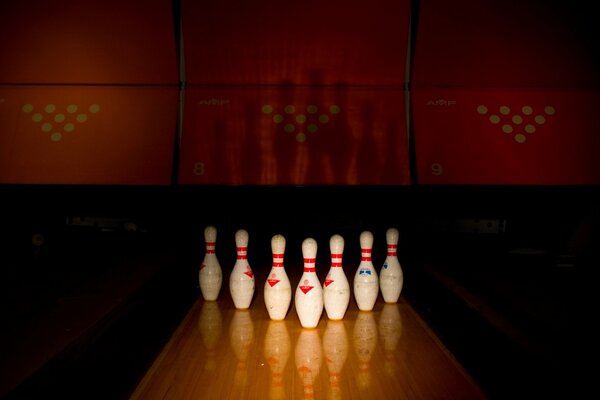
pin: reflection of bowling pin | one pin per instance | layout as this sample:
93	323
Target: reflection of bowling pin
390	331
365	341
391	278
277	290
366	283
210	324
277	352
241	336
210	275
309	293
336	289
335	348
308	357
241	280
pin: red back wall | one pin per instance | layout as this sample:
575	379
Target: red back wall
88	92
295	93
505	93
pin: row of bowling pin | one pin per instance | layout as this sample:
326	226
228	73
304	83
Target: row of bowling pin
310	297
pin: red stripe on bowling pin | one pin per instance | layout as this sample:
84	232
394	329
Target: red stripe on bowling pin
365	254
210	247
391	249
242	252
277	259
336	260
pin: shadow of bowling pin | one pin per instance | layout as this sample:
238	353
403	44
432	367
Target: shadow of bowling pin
308	358
390	332
335	348
365	342
277	351
241	337
210	326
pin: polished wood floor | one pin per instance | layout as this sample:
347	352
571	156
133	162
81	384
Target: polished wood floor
218	352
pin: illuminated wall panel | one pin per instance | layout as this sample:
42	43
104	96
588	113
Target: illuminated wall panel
295	92
88	92
505	93
486	136
83	135
299	135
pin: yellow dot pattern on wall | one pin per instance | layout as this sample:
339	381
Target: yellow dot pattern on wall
519	122
56	121
301	121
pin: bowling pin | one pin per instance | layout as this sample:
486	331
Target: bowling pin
241	280
309	293
336	289
277	290
210	276
391	278
366	282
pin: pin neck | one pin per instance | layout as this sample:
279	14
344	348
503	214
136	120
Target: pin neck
210	247
365	254
242	251
391	249
277	259
309	264
336	260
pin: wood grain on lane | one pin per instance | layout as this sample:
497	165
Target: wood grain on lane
219	352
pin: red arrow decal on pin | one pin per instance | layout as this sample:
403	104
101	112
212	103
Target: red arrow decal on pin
202	266
249	273
328	282
306	289
273	282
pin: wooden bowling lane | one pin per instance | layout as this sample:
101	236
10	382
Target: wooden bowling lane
218	352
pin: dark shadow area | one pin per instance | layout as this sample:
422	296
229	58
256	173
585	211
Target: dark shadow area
501	274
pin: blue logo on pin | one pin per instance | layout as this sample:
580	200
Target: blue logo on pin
385	265
364	272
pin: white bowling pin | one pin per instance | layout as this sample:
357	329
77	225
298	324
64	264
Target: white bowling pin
336	289
241	280
309	293
366	282
210	276
391	278
277	290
